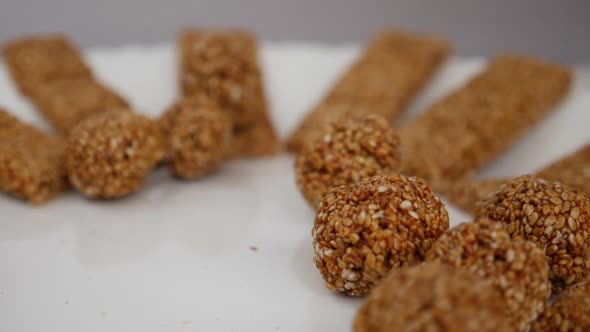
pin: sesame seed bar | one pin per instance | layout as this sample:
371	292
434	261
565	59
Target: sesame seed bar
393	68
472	126
224	66
31	162
34	61
572	170
466	193
64	103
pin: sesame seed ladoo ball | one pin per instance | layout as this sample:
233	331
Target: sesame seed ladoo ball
351	148
432	297
516	268
108	155
198	133
569	313
550	214
361	232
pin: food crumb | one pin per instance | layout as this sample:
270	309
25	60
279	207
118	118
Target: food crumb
254	248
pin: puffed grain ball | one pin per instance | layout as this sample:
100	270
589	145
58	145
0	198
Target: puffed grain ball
550	214
569	313
516	268
108	155
198	134
432	297
362	232
351	148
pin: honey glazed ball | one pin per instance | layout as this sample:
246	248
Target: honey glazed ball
516	268
109	154
432	297
198	134
349	149
361	232
569	313
550	214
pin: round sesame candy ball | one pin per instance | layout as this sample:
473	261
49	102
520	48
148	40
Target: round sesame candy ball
550	214
516	268
361	232
432	297
569	313
198	133
108	155
349	150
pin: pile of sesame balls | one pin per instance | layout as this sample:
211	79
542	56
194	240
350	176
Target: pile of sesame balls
386	235
108	155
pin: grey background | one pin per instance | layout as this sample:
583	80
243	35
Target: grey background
555	29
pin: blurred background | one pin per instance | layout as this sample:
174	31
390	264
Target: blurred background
557	30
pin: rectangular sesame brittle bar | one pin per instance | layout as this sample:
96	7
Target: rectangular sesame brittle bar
224	66
34	61
31	162
393	68
472	126
52	73
64	103
572	170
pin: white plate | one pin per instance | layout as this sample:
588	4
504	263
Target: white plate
229	253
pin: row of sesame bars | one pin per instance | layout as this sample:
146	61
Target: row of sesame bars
393	68
224	66
31	162
572	170
52	73
472	126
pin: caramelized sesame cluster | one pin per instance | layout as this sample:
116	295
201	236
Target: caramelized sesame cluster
433	297
347	151
198	133
108	155
516	268
550	214
362	232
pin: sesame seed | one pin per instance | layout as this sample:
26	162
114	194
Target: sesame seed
378	214
405	205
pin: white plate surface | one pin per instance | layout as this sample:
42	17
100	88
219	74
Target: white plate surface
179	256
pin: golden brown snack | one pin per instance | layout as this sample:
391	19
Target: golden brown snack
467	193
254	141
34	61
348	151
362	232
393	68
472	126
432	297
550	214
517	268
572	170
31	162
569	313
64	103
198	135
108	155
223	65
